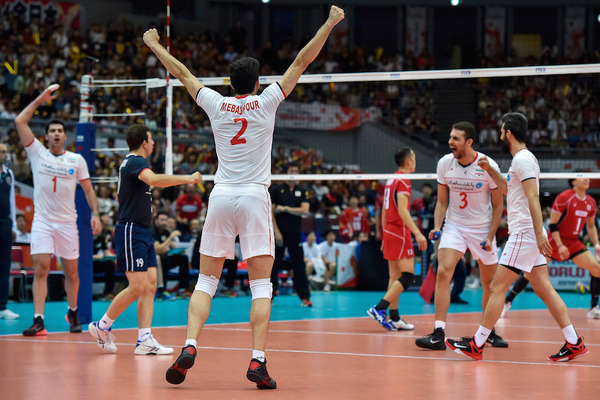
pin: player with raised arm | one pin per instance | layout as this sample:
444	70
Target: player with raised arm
397	225
56	173
471	205
526	248
240	202
134	243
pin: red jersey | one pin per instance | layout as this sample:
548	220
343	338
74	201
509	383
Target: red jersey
392	188
353	221
189	208
573	212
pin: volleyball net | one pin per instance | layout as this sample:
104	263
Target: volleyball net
353	122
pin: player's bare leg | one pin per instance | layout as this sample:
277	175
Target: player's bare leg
41	265
447	260
199	307
71	281
260	311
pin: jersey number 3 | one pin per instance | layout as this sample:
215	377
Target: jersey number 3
237	139
463	197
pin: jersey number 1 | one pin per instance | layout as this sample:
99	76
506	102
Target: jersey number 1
54	180
237	139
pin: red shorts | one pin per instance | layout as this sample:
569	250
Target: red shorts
397	243
574	246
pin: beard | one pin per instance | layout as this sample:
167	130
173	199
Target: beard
505	145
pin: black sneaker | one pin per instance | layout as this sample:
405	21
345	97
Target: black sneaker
37	329
73	320
433	341
176	372
257	373
495	340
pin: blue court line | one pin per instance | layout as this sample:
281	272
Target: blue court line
336	304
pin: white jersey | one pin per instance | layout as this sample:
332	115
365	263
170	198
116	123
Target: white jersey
328	251
311	252
524	166
469	201
243	130
54	182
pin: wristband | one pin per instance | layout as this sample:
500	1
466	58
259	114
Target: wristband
553	227
95	215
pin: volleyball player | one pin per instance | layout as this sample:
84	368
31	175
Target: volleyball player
526	247
471	204
570	211
397	225
134	243
240	202
56	173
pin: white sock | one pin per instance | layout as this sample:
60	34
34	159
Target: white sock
259	355
192	342
143	334
440	324
105	323
73	309
482	335
570	334
38	315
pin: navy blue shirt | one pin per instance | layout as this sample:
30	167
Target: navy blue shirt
135	199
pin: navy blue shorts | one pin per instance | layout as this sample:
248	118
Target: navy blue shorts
134	245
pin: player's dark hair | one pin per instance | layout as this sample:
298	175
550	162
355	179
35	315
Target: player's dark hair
572	180
328	231
56	122
401	155
467	128
243	73
291	164
135	135
516	123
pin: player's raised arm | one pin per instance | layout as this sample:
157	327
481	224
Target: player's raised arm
310	51
175	67
22	120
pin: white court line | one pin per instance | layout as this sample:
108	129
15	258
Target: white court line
339	353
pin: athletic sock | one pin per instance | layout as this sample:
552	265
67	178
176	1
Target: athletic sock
144	333
440	324
259	355
382	305
395	315
570	334
38	315
482	335
191	342
594	291
105	323
73	309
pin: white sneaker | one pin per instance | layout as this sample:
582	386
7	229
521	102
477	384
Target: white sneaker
151	346
7	314
505	309
400	325
327	287
104	339
594	313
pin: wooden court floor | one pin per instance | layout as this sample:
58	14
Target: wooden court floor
337	358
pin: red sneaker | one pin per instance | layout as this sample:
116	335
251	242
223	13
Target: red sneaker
176	372
467	347
257	373
570	351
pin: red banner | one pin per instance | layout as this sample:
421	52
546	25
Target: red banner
49	12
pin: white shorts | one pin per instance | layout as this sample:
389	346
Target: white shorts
319	266
459	238
243	210
62	240
521	251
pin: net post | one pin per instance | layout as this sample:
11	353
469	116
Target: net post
85	141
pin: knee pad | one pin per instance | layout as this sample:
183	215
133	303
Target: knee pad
207	284
261	288
406	279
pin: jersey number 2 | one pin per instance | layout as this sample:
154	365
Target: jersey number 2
237	139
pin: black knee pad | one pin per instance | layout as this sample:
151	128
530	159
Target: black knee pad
406	279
